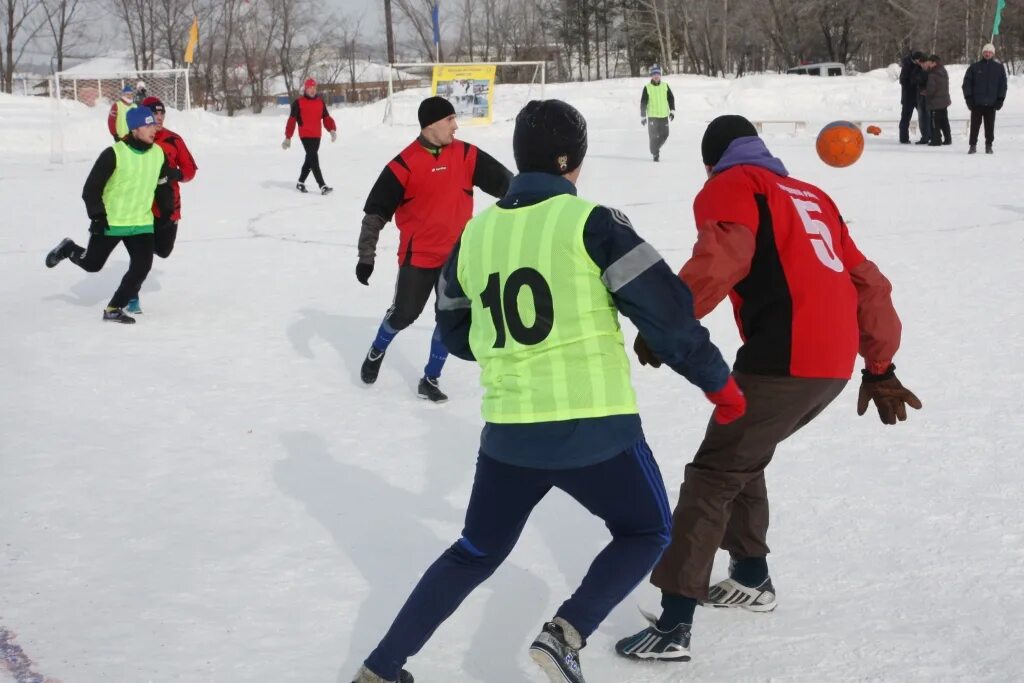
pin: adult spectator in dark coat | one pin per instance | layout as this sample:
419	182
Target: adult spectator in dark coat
912	76
984	90
937	100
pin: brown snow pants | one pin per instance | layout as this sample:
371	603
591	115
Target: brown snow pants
723	501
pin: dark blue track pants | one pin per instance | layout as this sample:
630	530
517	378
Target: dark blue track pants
626	491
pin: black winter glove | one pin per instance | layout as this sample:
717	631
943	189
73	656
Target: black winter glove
671	116
890	397
175	174
643	121
363	272
999	105
98	226
644	353
970	105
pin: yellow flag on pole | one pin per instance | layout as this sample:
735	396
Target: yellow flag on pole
193	39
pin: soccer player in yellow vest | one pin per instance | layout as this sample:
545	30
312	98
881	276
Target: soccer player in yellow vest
119	194
657	108
117	122
532	292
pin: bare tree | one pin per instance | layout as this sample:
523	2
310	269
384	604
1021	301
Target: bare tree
63	18
19	25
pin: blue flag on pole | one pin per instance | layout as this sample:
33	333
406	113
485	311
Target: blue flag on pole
435	18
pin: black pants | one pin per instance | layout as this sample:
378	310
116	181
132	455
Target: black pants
905	116
412	290
924	119
163	239
988	114
312	161
140	255
940	127
657	132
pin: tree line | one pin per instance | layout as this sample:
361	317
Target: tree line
245	44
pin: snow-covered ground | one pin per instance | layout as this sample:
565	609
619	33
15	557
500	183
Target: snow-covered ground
211	495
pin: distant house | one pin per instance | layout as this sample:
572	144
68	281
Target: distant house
352	82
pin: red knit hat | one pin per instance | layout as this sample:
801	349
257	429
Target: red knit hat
154	104
310	83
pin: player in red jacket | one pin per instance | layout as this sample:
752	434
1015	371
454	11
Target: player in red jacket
428	189
806	300
309	112
181	169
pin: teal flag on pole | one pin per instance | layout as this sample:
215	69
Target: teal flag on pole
999	17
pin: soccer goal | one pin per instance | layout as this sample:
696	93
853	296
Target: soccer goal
170	85
480	92
101	89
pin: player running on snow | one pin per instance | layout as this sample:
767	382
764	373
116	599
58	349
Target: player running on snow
119	195
181	169
806	300
428	189
309	112
533	293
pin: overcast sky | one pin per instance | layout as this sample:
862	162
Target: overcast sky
372	12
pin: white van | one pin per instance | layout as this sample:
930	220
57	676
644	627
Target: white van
822	69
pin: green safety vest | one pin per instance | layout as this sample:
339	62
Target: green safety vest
544	328
128	194
122	117
657	100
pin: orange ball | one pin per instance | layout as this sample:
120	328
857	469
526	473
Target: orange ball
840	144
874	130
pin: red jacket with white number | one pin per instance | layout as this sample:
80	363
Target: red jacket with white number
804	297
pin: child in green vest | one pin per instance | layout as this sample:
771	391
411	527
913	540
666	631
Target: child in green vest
533	293
657	108
119	194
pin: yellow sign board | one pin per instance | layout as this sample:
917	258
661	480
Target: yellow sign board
470	89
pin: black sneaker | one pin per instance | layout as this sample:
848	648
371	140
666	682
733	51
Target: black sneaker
922	142
371	365
301	187
364	675
59	252
657	157
652	644
557	652
973	149
326	190
117	315
430	391
988	149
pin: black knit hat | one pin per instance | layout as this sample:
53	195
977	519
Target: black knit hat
433	109
720	134
550	137
918	55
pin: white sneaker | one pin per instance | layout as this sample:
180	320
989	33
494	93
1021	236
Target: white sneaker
730	593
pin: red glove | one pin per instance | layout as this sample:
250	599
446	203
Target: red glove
730	403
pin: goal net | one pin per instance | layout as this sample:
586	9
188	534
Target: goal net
101	89
170	85
480	92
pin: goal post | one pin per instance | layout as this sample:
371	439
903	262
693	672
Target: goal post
514	84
